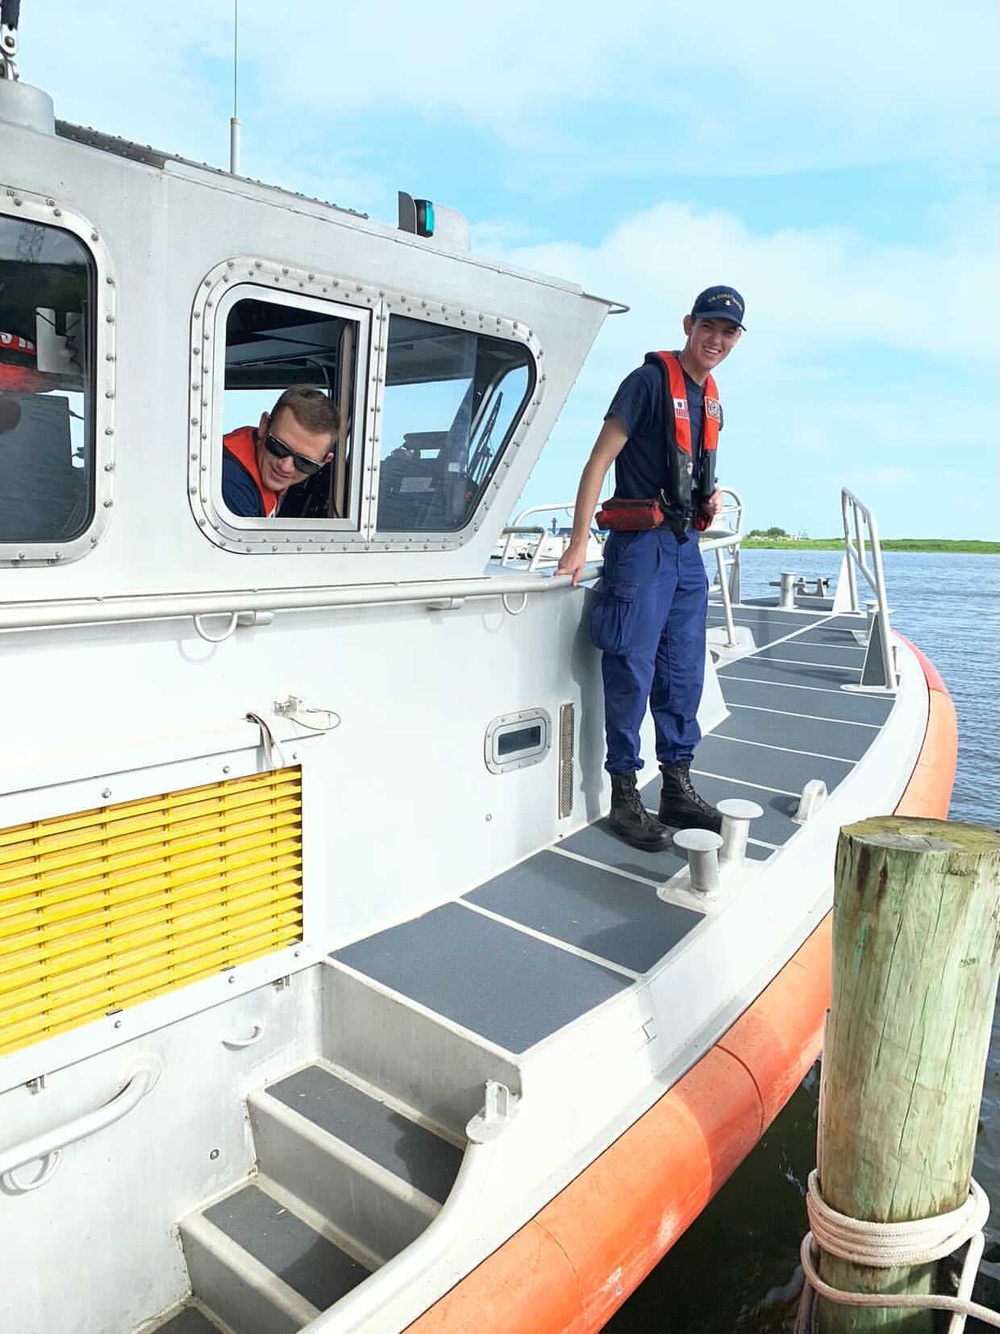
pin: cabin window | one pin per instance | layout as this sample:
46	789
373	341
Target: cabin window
452	400
307	352
47	298
429	412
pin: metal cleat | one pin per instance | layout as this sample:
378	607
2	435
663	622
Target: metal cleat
499	1109
820	586
786	583
702	848
813	797
736	816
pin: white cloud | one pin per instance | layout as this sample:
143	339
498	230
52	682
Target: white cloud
776	86
859	361
865	71
806	290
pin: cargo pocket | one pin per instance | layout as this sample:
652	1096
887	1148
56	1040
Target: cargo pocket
613	617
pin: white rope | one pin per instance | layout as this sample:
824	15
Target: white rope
893	1245
274	756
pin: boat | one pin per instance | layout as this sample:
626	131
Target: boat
328	1000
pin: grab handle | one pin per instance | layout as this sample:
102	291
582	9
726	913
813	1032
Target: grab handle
49	1143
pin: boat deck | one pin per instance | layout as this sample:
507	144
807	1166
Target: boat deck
538	946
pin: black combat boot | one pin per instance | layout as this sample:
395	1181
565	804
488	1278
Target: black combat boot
680	805
631	821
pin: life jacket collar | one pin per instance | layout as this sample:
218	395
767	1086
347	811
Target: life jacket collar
242	444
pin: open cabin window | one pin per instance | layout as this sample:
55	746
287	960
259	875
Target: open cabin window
274	345
47	298
452	401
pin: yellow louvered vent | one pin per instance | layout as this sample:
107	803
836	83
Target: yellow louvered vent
105	908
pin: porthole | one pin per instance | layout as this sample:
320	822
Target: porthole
516	740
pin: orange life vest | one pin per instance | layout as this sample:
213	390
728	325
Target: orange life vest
242	444
683	482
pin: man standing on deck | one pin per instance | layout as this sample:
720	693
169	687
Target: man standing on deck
648	617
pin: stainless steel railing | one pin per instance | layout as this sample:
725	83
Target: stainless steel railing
861	541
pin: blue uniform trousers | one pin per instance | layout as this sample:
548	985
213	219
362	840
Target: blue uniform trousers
648	618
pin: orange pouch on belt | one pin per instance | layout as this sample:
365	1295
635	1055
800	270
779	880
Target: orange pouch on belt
629	516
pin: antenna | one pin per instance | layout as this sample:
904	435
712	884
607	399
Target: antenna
234	124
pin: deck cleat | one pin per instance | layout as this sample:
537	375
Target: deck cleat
736	816
702	848
812	798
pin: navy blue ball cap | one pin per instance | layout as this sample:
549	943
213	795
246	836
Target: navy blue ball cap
719	303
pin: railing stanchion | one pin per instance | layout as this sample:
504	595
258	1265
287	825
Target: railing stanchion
861	519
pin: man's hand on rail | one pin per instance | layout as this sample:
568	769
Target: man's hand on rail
572	561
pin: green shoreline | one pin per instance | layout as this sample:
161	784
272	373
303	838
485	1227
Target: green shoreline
929	544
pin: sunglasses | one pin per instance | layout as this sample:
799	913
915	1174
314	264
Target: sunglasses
306	466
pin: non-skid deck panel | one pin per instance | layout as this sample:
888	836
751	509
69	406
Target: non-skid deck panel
392	1140
509	987
848	656
817	606
765	625
837	634
785	770
821	736
819	675
311	1264
847	621
774	826
188	1321
766	614
847	705
589	907
598	844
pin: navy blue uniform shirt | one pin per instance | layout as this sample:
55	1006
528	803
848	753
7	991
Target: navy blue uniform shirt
239	491
641	468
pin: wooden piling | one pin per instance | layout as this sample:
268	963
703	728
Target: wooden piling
916	951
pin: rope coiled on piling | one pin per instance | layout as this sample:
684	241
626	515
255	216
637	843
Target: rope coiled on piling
889	1245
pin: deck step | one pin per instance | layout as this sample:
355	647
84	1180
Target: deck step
348	1176
360	1160
188	1319
380	1036
263	1262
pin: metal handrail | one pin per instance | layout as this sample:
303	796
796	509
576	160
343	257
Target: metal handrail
175	606
729	581
521	530
859	517
567	506
518	526
47	1146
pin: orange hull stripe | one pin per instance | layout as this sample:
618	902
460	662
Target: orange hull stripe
570	1268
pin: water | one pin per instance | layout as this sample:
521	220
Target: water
736	1269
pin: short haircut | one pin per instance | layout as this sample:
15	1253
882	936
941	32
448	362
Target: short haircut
311	408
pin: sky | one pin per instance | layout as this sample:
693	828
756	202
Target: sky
837	164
